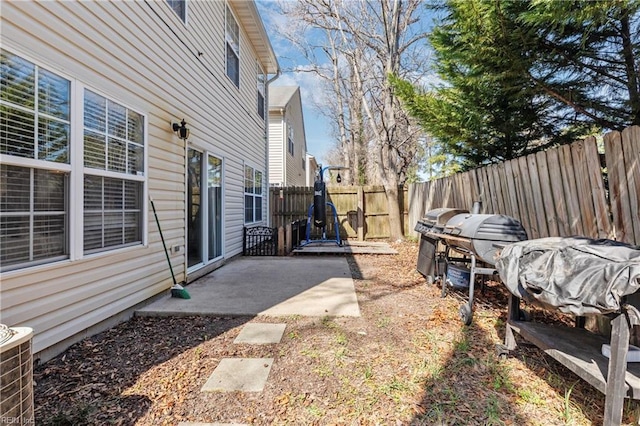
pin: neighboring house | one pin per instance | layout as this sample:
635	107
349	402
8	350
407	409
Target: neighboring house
90	93
312	169
287	141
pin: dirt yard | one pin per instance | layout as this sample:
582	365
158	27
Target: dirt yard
407	360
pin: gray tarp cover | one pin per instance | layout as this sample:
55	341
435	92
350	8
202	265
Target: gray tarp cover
575	275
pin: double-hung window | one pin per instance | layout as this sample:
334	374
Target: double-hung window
42	159
252	195
114	173
35	169
232	41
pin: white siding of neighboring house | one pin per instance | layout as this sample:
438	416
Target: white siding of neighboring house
124	51
276	147
286	169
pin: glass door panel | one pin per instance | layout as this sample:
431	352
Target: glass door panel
214	194
194	208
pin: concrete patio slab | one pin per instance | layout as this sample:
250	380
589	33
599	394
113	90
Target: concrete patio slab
260	334
239	374
348	247
292	285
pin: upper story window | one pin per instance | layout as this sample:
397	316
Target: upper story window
232	41
290	138
179	7
261	82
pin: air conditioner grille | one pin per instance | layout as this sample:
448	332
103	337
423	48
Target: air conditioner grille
16	378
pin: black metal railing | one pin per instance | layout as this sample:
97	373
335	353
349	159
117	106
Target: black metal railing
260	241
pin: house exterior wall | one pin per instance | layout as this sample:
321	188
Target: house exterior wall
286	169
296	175
139	54
276	147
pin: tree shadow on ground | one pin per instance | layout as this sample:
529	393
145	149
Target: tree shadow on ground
577	394
90	383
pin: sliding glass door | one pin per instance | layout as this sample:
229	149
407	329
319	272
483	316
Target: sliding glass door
204	208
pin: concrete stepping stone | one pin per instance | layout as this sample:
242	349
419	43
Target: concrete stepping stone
239	374
260	334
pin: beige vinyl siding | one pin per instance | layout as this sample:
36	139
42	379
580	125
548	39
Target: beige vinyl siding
125	51
276	148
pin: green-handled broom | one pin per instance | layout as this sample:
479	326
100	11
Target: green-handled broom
177	290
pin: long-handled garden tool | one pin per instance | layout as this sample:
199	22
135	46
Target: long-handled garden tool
177	290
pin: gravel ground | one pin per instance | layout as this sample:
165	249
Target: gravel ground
407	360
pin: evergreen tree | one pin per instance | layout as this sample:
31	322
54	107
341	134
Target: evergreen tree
518	76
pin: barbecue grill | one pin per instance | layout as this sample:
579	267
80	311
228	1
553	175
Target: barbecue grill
431	251
478	238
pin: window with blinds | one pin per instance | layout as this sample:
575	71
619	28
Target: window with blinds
34	175
113	144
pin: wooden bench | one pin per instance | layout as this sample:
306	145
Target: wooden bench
581	352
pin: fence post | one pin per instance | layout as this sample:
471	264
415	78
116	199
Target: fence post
281	241
360	214
288	235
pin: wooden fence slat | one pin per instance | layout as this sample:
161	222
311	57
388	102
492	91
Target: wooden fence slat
583	186
547	195
558	194
504	201
512	174
523	209
533	231
475	184
571	191
594	169
487	190
618	189
538	202
631	148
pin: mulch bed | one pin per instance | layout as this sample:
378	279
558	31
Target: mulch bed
407	360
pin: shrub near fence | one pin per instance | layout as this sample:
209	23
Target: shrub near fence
564	191
362	210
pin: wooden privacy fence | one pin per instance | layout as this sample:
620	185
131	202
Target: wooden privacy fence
564	191
362	210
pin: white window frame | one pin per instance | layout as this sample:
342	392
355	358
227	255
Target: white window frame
290	140
261	82
139	177
75	172
251	193
233	43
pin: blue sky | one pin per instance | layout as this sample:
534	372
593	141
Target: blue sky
317	128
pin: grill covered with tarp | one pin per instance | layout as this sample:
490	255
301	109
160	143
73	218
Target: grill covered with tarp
574	275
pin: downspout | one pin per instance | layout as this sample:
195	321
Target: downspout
285	146
266	145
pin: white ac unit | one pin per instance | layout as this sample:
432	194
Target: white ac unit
16	376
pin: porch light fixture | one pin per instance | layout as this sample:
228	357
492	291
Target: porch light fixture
181	129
